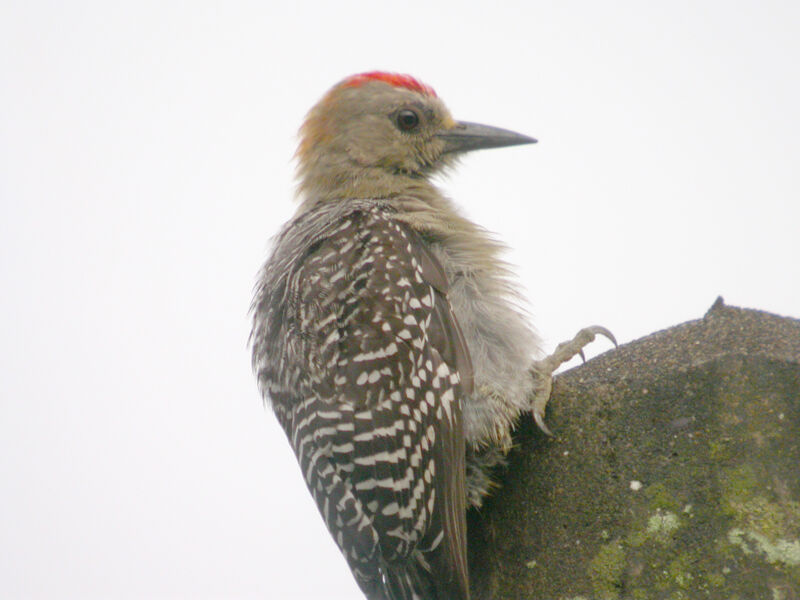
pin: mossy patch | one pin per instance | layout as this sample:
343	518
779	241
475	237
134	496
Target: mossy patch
606	570
680	572
738	485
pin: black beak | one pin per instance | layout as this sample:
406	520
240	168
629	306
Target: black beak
473	136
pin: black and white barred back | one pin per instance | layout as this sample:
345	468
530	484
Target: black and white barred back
355	344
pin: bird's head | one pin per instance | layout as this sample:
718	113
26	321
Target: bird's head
377	134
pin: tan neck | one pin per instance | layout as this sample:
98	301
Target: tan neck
334	184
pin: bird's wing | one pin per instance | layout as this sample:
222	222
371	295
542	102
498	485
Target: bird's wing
378	426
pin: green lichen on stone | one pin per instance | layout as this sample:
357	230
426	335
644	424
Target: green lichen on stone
770	518
659	528
606	570
786	552
769	529
661	525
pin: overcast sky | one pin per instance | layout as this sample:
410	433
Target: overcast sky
145	161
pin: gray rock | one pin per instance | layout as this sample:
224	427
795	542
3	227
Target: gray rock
674	473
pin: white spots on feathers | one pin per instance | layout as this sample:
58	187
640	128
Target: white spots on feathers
363	389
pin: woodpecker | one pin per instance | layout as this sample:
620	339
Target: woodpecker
387	339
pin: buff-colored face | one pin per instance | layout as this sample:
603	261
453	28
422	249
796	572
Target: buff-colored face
375	124
382	135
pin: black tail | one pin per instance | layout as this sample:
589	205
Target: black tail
410	582
415	580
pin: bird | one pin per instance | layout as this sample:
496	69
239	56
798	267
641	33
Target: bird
388	338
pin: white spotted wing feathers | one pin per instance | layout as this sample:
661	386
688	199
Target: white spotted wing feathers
355	343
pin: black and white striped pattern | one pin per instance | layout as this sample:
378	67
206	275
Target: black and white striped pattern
356	346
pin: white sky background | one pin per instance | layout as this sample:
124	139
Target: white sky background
145	159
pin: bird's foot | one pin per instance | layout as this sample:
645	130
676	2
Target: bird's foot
542	370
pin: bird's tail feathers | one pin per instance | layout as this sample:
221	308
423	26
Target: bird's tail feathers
411	581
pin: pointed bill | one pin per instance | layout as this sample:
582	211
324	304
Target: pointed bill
467	136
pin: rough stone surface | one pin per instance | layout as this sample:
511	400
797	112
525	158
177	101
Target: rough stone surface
674	473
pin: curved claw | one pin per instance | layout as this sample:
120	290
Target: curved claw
539	418
600	330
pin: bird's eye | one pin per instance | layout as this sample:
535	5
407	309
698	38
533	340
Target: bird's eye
407	119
